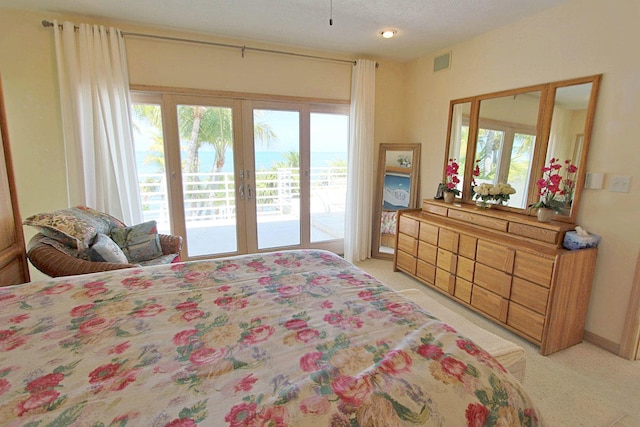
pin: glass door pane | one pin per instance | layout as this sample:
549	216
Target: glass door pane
150	164
329	139
208	179
277	177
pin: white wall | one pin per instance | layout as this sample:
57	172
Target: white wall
579	38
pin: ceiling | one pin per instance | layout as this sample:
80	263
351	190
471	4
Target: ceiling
423	26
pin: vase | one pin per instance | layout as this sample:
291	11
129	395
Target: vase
449	197
545	214
484	204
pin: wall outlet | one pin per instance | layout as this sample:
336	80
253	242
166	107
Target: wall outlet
620	183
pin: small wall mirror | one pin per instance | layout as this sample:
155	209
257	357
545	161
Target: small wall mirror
510	135
397	188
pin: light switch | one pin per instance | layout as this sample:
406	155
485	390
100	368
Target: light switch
620	183
594	180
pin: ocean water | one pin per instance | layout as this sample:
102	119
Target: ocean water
264	160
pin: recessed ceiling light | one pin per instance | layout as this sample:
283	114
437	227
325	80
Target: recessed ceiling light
387	34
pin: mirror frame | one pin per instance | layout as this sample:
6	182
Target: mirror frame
413	172
543	129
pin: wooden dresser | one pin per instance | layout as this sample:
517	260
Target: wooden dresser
508	267
13	258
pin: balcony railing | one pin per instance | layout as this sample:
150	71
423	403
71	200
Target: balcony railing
211	196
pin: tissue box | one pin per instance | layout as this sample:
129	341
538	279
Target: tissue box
572	241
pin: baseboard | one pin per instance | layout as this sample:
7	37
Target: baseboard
601	342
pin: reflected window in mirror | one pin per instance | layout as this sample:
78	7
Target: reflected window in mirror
506	142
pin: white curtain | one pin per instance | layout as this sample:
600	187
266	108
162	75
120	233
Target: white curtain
95	102
357	239
559	144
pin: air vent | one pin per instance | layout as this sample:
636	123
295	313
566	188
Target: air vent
442	62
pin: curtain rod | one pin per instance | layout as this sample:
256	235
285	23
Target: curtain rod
242	48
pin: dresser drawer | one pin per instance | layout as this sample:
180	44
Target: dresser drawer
445	281
526	321
447	261
488	302
426	272
495	255
448	240
429	233
530	295
466	267
534	268
492	279
409	226
427	252
463	290
408	244
467	246
406	262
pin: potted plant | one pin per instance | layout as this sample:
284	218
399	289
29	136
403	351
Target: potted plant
555	191
451	181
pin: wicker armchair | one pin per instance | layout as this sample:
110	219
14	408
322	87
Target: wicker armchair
55	263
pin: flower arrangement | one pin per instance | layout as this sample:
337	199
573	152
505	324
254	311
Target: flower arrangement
488	193
404	161
451	179
555	190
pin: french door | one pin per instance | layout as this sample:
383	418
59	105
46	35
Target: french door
238	176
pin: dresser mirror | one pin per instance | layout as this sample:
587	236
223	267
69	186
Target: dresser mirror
510	136
397	188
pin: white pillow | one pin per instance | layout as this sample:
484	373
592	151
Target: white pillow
106	250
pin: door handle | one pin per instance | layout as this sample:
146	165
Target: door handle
241	190
249	192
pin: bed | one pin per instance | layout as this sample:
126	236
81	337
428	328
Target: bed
284	338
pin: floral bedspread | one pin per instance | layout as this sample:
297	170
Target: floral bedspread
299	338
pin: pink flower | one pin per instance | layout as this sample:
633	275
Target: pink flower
352	322
44	382
352	390
430	351
19	318
395	362
246	383
181	422
95	325
399	307
192	315
103	373
309	361
315	405
120	348
453	367
295	324
333	318
133	283
187	305
184	337
81	310
205	356
476	414
366	295
9	340
36	401
326	304
259	334
4	386
289	291
241	414
306	335
149	310
58	289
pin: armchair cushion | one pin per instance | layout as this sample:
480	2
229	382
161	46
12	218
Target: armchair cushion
104	249
139	242
75	227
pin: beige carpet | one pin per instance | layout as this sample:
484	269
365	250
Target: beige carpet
581	386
